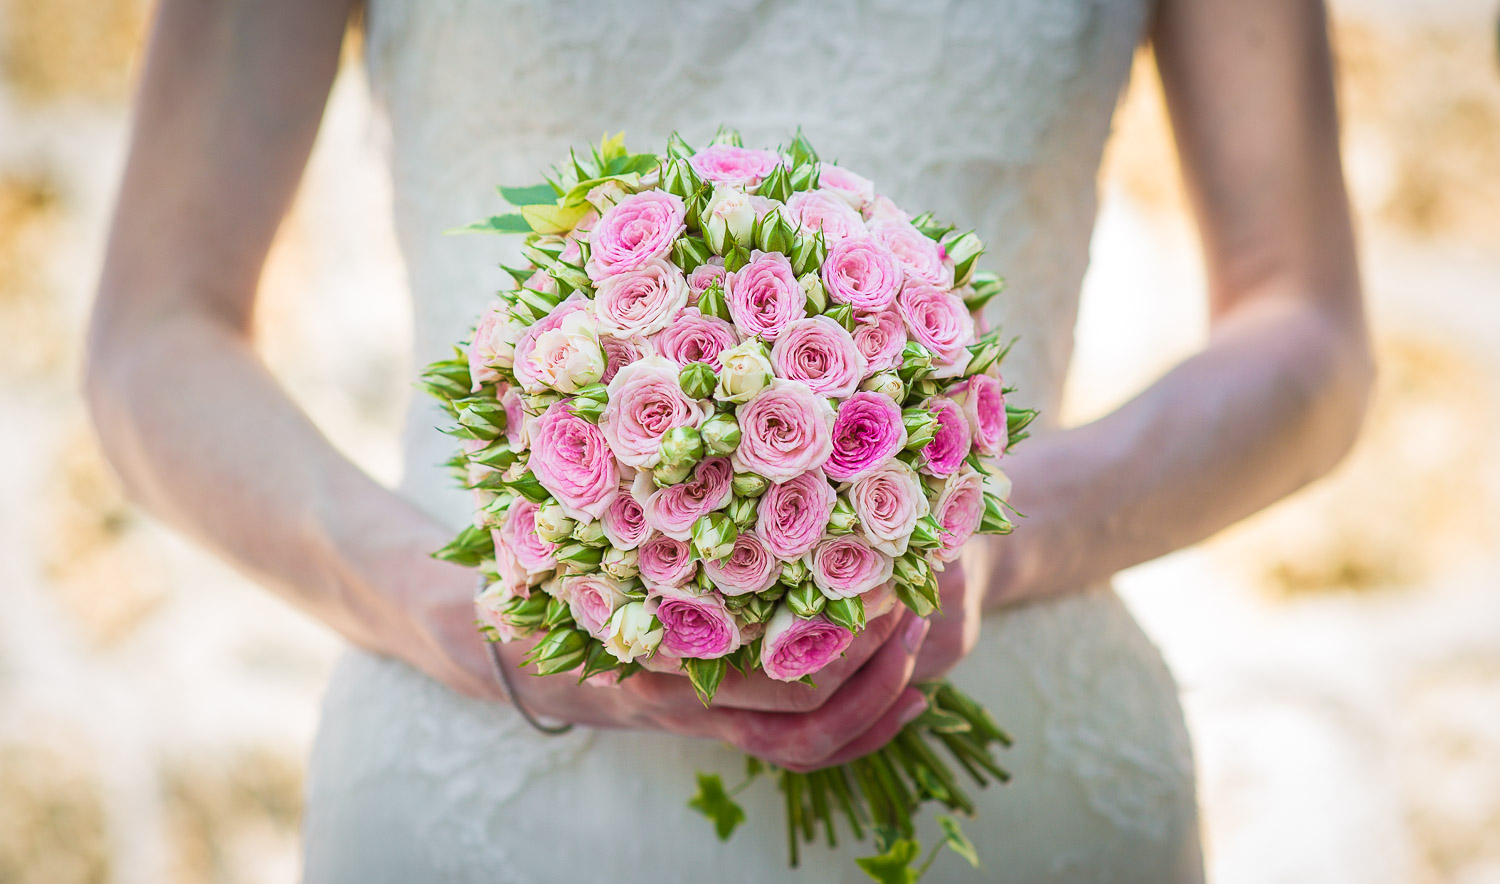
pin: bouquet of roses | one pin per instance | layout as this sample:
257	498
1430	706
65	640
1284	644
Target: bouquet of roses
736	406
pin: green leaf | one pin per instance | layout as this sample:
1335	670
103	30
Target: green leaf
706	675
511	223
957	841
640	163
528	196
714	802
893	866
549	218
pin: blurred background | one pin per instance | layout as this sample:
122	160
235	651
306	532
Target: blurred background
1339	655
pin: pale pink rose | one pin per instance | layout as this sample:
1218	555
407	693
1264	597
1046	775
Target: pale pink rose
494	344
818	352
518	534
734	166
572	459
693	337
880	337
515	419
867	433
947	450
705	275
790	517
639	303
488	605
673	510
880	601
542	281
888	503
624	522
665	561
983	401
922	257
854	189
940	322
525	376
844	567
959	509
572	252
619	352
793	647
585	225
811	211
635	230
764	296
568	356
863	274
696	627
881	209
592	598
645	401
784	432
749	567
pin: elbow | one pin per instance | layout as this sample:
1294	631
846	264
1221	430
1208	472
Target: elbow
1344	376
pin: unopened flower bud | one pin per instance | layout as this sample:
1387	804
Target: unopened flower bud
552	524
483	418
741	511
848	613
963	250
814	293
912	570
805	177
681	446
843	314
689	253
794	572
721	434
713	536
578	558
728	219
806	601
887	382
777	185
587	409
560	650
921	427
926	534
772	232
808	254
712	303
621	564
605	194
749	485
697	380
916	361
678	177
843	519
758	609
589	533
670	474
633	632
775	593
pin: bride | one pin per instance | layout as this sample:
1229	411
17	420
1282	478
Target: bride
988	113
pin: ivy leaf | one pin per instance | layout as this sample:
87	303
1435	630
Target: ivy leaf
511	223
528	196
714	802
957	841
705	676
893	866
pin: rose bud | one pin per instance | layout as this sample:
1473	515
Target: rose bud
741	511
887	382
721	434
746	371
728	219
697	380
806	601
620	564
632	632
552	524
689	253
589	533
921	427
757	609
559	651
713	536
749	485
843	314
579	559
681	446
808	254
848	613
793	573
843	518
678	177
773	233
667	474
916	361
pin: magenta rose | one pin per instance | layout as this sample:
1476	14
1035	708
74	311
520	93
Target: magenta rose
880	337
673	510
624	521
592	598
749	567
764	296
811	211
922	257
784	432
852	188
639	303
518	535
619	352
867	433
983	401
571	459
645	401
790	517
696	627
948	448
818	352
705	275
664	561
525	374
959	509
844	567
888	503
635	230
793	647
863	274
734	166
939	321
693	337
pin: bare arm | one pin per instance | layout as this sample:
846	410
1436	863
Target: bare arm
1277	396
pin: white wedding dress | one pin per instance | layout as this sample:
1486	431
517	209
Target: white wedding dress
993	114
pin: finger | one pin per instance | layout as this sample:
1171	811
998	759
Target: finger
907	707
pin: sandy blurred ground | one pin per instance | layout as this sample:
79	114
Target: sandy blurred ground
1339	655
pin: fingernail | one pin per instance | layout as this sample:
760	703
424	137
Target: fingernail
911	639
913	710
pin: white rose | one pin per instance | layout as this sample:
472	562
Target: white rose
729	215
631	632
568	357
746	371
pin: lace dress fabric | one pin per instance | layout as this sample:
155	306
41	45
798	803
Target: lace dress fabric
990	113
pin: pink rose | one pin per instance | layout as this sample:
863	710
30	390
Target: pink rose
515	419
888	503
852	188
592	598
645	402
793	647
693	337
641	302
635	230
620	352
734	166
624	521
697	627
518	535
813	210
571	459
664	561
818	352
567	356
940	322
525	375
947	450
881	208
673	510
749	567
784	432
542	281
863	274
791	516
983	403
703	276
959	508
921	256
867	433
880	337
488	605
494	344
844	567
764	296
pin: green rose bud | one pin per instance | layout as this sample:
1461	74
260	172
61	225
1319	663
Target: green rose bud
794	573
848	613
713	536
721	434
689	253
677	148
482	418
801	152
678	177
816	296
926	534
916	361
843	314
757	609
746	371
994	520
921	427
552	524
538	403
842	520
681	445
728	135
805	177
728	219
749	485
741	511
498	456
777	186
912	570
808	254
527	486
589	533
806	601
963	249
772	231
712	303
775	593
667	474
526	615
887	382
697	380
587	409
578	558
562	649
983	287
735	258
621	564
557	613
595	391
